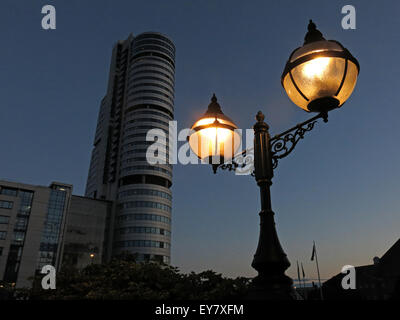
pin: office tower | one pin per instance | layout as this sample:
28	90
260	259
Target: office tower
39	223
140	97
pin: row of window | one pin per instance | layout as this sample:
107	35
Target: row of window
137	79
136	64
148	120
145	47
155	139
155	36
154	153
136	112
152	85
152	65
9	191
6	204
162	143
143	216
134	99
163	57
152	168
143	257
140	42
144	204
134	72
146	192
140	144
142	243
148	127
152	92
152	230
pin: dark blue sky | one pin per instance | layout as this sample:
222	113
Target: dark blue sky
341	185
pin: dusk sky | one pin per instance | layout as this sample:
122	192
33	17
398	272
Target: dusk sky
340	187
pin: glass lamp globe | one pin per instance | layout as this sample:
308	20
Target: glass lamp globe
213	138
320	75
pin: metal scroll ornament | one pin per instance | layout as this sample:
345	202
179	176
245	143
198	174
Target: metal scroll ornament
282	145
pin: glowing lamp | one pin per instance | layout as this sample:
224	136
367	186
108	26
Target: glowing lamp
320	75
213	138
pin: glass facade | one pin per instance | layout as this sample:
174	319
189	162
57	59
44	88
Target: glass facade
51	232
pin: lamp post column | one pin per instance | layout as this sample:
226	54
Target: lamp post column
269	260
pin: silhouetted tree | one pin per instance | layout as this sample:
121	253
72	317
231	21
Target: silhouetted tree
124	278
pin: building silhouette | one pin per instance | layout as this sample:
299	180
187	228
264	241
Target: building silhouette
377	281
140	97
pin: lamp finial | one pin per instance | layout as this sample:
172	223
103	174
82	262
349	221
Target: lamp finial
313	33
260	116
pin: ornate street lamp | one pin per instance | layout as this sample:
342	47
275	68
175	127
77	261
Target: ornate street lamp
214	139
319	77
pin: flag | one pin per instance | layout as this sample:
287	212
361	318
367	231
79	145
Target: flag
302	269
313	252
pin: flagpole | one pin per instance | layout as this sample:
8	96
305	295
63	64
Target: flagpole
319	278
298	273
299	279
304	281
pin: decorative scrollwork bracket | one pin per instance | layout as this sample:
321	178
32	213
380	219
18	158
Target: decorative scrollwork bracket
283	144
242	164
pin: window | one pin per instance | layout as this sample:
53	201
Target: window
19	237
143	243
1	251
149	192
4	219
9	191
21	223
143	216
149	120
144	204
3	235
153	230
134	99
6	204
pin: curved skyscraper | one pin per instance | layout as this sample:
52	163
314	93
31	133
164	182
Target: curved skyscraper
140	97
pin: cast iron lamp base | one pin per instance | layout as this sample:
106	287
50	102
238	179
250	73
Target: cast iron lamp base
323	104
272	288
